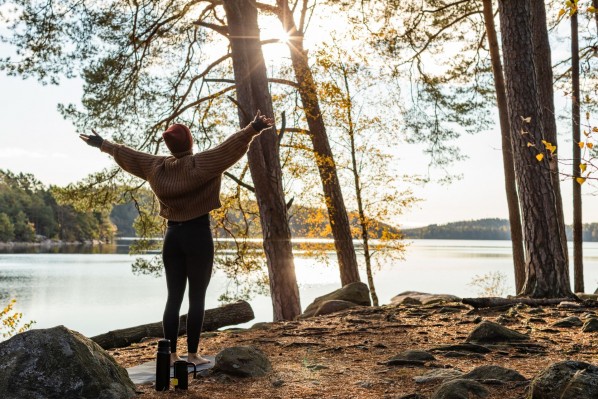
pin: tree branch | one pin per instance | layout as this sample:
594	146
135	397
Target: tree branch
239	181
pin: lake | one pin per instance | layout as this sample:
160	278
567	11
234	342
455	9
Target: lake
97	292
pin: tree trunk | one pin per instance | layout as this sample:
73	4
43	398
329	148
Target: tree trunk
575	122
227	315
507	152
264	160
544	81
337	214
543	230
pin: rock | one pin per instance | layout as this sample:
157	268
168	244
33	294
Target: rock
488	332
491	372
262	325
332	306
242	361
422	298
568	379
410	358
415	355
572	321
568	305
460	389
59	363
591	325
357	293
438	375
413	396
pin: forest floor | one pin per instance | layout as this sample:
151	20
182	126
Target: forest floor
343	355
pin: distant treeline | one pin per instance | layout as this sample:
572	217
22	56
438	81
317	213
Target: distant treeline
484	229
30	212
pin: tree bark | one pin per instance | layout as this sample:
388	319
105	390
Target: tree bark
264	159
544	81
543	229
575	122
227	315
507	152
337	213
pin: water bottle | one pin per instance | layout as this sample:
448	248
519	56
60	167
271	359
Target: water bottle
163	365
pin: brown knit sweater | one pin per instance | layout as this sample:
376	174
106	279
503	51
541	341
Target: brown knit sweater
186	185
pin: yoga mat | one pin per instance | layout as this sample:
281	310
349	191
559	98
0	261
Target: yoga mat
145	373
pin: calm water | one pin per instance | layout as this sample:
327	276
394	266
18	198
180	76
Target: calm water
97	292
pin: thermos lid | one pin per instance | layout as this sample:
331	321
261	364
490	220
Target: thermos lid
164	344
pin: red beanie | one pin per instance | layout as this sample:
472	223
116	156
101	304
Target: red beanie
178	138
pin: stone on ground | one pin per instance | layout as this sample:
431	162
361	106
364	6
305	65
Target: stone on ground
492	372
242	361
422	298
357	293
59	363
591	325
489	332
460	389
572	321
568	379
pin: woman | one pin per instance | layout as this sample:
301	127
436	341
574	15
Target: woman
187	186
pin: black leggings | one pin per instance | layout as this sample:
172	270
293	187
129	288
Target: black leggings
188	253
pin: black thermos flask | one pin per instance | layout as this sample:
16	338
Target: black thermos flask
163	365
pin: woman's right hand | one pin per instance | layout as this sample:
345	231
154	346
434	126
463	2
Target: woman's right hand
261	122
95	141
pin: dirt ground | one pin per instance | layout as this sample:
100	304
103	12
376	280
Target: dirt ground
343	355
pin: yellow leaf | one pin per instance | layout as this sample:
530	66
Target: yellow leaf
587	115
595	129
580	144
526	120
590	145
580	180
529	144
591	9
586	133
561	12
551	148
540	157
582	167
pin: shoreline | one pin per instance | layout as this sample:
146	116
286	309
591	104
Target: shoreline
52	243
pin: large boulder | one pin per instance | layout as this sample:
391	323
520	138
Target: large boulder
242	361
60	363
357	293
422	298
568	379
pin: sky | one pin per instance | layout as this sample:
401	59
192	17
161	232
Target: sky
34	138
